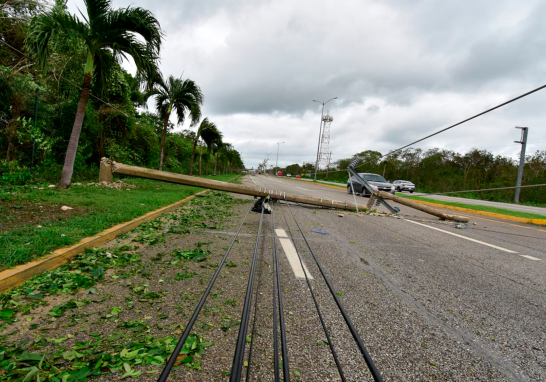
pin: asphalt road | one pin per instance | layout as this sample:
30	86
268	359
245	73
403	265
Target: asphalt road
432	302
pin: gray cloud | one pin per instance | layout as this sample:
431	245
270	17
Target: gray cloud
400	69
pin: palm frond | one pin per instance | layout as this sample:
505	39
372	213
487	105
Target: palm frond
55	22
104	63
97	11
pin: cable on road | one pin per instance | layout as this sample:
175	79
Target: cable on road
254	319
317	306
367	357
275	322
284	345
236	368
170	363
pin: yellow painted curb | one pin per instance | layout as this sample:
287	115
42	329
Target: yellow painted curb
490	214
15	276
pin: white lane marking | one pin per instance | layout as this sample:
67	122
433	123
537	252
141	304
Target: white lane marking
292	255
530	257
302	188
464	237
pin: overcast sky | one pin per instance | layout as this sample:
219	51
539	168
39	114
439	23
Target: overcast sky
401	70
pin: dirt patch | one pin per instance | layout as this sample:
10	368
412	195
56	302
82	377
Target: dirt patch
15	214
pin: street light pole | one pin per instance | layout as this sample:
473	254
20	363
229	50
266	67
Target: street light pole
523	142
320	133
277	163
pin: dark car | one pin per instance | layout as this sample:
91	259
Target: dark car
404	185
377	182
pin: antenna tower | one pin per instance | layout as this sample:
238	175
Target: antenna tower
325	141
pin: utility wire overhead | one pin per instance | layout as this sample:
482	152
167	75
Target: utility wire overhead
468	119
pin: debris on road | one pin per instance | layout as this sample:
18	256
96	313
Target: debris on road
319	231
340	215
66	208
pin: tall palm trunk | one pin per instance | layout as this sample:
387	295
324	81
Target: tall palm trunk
200	157
192	156
71	151
215	165
163	136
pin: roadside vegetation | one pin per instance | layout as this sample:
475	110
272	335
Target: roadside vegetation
117	311
438	170
33	222
66	102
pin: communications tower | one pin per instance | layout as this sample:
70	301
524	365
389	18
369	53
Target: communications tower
324	152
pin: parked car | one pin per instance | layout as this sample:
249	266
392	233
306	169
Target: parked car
377	183
289	175
280	173
404	185
298	176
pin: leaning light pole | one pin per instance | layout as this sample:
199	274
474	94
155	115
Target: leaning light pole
320	132
523	142
277	163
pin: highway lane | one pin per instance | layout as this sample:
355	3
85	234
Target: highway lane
435	302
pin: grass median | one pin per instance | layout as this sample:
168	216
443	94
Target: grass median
33	221
478	207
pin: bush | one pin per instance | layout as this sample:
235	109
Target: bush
11	173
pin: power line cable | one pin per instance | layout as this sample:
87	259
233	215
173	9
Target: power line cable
488	189
367	357
317	306
284	345
169	365
275	321
255	318
236	368
466	120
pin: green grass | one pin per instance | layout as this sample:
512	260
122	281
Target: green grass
232	178
104	208
478	207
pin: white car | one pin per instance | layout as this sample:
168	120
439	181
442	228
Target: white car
289	175
404	185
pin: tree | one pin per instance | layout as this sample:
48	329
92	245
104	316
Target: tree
217	145
208	132
182	96
108	35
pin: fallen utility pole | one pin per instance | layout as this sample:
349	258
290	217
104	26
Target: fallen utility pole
420	207
109	167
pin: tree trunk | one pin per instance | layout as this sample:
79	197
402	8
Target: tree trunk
215	165
192	156
163	136
71	151
200	156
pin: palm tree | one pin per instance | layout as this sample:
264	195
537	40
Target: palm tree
182	96
202	150
217	146
109	35
208	132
